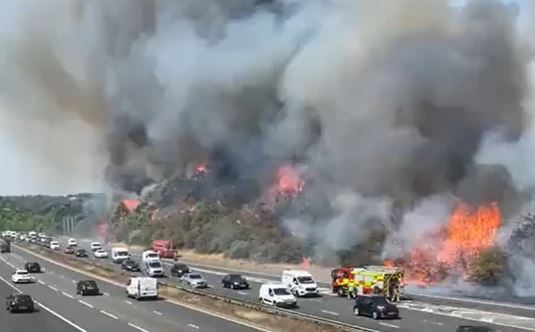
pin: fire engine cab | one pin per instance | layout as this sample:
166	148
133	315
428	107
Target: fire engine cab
350	281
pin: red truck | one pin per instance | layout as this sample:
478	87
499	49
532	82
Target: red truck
164	248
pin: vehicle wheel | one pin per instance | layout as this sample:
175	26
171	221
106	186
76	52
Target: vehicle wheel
356	311
232	286
12	310
340	292
375	315
274	303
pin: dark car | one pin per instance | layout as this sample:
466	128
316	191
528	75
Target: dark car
33	267
87	287
19	302
5	246
376	306
469	328
178	269
81	253
234	281
130	265
69	250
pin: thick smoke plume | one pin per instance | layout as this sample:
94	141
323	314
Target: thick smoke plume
386	103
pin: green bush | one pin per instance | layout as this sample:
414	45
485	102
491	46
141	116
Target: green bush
489	266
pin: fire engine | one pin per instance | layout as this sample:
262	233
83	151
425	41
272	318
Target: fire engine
349	281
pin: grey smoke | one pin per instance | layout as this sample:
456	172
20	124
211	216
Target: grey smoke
385	104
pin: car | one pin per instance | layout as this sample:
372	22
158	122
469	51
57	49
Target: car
178	269
80	253
22	276
194	280
87	287
69	250
130	265
72	243
95	246
19	303
154	269
474	328
54	245
234	281
101	253
376	306
33	267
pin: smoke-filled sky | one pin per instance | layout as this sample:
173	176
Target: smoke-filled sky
61	79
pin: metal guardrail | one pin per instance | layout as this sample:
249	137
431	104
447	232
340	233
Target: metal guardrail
240	302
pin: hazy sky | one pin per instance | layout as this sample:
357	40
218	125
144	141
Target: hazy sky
16	166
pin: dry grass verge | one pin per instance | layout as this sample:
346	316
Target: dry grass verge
224	307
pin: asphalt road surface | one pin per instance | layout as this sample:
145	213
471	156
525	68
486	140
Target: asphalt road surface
111	311
41	320
415	317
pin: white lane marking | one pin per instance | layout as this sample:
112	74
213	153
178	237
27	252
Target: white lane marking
330	312
61	317
73	281
129	302
46	308
389	325
137	327
243	293
157	312
85	303
193	325
117	284
41	282
453	298
106	294
68	295
432	322
53	288
61	277
108	314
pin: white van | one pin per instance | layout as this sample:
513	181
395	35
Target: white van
150	256
142	287
119	254
300	282
95	246
277	295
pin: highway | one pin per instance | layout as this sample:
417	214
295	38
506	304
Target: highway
416	316
111	311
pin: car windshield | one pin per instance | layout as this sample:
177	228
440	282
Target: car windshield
22	299
90	284
33	265
122	253
281	291
81	251
22	272
236	277
195	276
380	300
305	280
133	263
152	255
155	264
100	251
95	244
180	267
53	243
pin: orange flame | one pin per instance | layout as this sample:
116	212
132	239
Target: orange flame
201	168
289	181
468	232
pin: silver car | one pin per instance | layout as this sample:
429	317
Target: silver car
194	280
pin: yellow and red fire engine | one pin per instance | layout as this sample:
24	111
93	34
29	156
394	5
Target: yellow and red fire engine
349	281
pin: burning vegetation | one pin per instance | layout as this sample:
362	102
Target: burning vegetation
454	251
